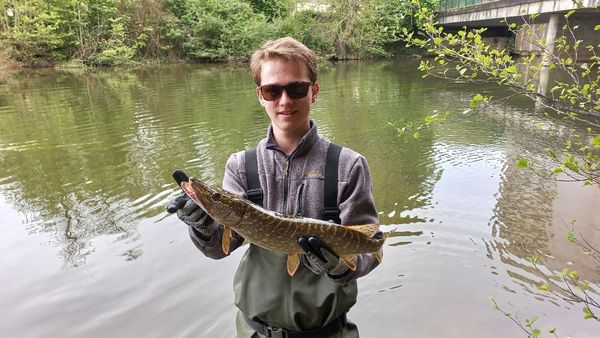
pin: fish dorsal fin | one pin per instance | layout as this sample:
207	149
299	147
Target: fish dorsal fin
366	229
293	262
350	261
226	240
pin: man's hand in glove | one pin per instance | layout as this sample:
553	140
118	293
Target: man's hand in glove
320	259
191	214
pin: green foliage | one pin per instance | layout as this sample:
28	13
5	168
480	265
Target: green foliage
309	27
97	32
273	9
124	32
223	30
523	163
372	28
32	31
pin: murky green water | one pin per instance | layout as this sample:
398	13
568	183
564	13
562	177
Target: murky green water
88	251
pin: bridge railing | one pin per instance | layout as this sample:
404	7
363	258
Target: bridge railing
448	5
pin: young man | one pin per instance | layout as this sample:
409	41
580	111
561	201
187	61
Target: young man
291	162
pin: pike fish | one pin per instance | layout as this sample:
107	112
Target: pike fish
278	232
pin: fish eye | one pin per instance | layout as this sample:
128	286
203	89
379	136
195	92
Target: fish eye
215	196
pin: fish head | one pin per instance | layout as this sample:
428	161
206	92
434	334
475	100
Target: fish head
222	206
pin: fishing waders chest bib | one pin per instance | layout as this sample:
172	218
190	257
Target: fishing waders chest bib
331	212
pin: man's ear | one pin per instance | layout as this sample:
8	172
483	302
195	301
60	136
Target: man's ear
315	91
260	99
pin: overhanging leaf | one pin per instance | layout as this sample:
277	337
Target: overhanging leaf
523	163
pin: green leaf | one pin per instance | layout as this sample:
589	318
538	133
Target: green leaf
531	320
523	163
572	164
535	333
476	100
544	287
573	274
597	28
533	260
596	142
588	313
585	89
552	330
416	135
569	13
571	237
557	170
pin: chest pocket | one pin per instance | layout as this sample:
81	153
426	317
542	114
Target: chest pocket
331	210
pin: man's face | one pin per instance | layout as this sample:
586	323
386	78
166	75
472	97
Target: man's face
288	115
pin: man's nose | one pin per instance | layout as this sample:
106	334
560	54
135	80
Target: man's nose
285	98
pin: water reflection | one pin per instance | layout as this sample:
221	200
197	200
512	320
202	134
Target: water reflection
80	156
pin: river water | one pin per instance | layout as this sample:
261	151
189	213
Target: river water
88	251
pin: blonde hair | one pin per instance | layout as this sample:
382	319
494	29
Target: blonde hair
285	48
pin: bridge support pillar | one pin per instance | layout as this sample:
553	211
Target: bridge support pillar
551	30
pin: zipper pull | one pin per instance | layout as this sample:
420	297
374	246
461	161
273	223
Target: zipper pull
286	164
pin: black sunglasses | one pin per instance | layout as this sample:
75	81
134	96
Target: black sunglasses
295	90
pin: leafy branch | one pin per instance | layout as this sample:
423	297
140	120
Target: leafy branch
527	326
465	56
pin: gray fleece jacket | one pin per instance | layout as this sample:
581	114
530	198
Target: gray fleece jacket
294	185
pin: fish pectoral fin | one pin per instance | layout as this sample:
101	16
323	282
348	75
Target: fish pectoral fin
293	262
378	255
226	240
350	261
367	229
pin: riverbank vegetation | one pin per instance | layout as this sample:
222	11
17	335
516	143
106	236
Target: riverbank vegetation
126	32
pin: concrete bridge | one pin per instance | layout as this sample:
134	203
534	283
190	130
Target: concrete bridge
454	14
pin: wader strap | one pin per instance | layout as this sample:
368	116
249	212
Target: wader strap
330	329
331	212
254	192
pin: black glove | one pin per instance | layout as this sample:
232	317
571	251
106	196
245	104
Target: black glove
191	214
320	259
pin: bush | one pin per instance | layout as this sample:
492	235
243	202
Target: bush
223	30
309	27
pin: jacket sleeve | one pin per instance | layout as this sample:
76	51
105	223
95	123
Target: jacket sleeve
358	207
233	183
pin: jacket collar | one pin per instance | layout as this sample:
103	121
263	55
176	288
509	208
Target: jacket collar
306	142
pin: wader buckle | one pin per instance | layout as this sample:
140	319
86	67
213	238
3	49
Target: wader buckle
276	332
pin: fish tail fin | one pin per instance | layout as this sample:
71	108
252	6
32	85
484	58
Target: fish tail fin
293	262
389	233
350	261
226	240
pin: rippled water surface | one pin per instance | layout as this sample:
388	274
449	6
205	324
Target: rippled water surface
88	251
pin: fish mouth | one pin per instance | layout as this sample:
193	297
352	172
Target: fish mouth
198	191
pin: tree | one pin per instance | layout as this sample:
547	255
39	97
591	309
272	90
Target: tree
368	28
